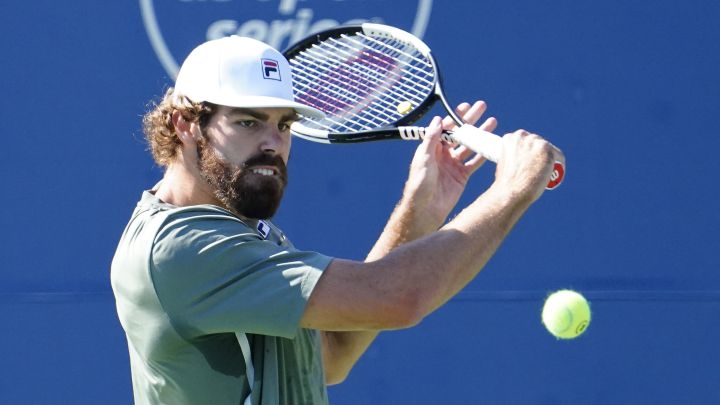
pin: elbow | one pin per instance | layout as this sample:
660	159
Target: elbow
336	376
405	311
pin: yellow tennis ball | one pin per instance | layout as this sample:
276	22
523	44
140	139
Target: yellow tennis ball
404	107
566	314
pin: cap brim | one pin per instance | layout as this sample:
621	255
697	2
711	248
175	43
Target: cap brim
267	102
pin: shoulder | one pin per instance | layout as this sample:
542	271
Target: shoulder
188	231
159	220
201	218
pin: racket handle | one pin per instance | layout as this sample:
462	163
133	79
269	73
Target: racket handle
483	142
489	146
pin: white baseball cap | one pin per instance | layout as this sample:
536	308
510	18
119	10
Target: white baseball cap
239	72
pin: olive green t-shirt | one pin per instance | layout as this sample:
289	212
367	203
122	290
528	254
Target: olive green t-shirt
187	279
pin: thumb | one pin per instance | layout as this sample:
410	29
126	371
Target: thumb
432	135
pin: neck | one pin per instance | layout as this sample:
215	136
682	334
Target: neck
183	185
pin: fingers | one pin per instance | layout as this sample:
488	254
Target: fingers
529	163
434	130
470	114
432	138
473	114
489	125
550	150
461	152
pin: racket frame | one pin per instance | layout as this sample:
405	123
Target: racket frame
480	141
399	129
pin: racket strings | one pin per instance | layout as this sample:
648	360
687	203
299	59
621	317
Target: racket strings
333	98
344	105
345	101
394	50
355	82
376	75
416	63
391	54
358	81
408	65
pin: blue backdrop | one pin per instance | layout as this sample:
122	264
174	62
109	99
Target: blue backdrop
628	89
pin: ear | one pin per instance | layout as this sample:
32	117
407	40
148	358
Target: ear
185	130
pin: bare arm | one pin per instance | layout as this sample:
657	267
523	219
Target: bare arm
402	287
437	179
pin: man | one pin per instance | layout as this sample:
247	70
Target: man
218	306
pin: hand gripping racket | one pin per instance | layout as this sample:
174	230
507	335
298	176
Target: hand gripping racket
373	81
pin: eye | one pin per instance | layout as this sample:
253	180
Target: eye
284	126
246	123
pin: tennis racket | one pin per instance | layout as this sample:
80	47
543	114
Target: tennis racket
373	82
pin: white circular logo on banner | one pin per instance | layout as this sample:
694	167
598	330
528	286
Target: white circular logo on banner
187	23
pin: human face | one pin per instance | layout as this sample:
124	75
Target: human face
243	157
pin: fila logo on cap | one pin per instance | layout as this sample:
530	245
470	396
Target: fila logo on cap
271	69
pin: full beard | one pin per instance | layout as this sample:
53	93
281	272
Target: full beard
243	192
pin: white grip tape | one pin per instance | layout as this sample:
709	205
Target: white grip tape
485	143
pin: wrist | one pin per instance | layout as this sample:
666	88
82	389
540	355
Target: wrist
421	213
508	196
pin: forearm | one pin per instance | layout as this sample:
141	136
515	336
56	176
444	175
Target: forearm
343	349
407	223
441	264
403	279
401	288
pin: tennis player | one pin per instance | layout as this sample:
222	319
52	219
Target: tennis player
220	308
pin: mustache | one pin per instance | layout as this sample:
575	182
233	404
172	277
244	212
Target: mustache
265	159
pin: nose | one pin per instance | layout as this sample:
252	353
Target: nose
274	142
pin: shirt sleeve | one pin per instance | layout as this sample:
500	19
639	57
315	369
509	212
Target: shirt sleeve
213	274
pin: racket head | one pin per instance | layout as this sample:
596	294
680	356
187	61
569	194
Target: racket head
368	79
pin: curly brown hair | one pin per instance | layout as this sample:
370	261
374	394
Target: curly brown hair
159	129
